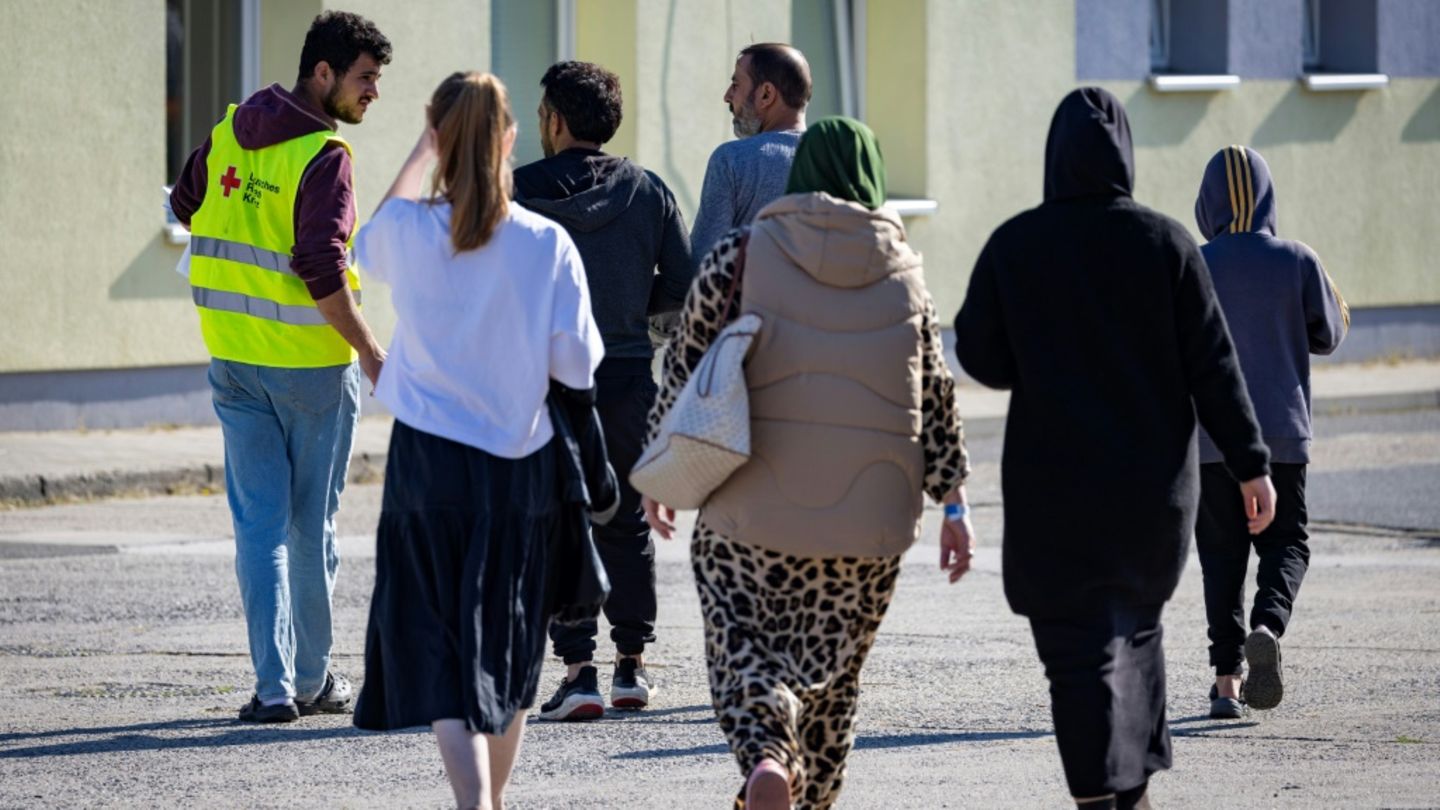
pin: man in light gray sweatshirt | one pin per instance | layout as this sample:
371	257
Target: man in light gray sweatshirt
767	96
1281	307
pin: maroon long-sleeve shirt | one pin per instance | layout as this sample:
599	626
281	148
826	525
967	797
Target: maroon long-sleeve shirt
325	201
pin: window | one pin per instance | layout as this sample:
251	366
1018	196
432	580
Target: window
1310	33
1159	35
831	34
1194	35
1343	36
526	38
211	61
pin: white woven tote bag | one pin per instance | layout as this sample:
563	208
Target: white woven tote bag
705	436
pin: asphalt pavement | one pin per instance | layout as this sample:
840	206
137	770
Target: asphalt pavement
122	664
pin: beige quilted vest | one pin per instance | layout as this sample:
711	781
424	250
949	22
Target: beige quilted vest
836	468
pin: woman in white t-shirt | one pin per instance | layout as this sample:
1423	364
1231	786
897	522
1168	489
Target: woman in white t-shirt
492	305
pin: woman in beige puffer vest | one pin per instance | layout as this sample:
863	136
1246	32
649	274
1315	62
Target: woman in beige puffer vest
853	419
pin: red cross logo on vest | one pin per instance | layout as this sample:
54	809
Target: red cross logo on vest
230	181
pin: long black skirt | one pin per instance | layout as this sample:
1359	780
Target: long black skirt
1106	667
459	616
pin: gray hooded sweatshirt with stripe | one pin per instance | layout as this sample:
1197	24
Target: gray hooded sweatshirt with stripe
1280	304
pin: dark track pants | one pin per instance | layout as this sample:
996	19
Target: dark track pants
626	390
1224	545
1107	696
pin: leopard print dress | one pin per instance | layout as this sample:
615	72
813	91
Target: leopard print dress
786	636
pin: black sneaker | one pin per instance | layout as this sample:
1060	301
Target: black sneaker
575	700
334	697
630	688
257	712
1264	687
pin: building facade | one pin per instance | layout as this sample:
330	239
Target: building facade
105	98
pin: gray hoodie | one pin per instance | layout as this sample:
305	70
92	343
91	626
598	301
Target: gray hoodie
1280	304
624	221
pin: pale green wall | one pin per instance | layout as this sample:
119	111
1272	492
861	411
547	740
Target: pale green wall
605	33
1356	174
86	278
990	98
686	53
895	91
1348	180
431	40
283	24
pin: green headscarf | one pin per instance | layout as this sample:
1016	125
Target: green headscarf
840	157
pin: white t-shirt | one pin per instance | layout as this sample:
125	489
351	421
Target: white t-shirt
481	333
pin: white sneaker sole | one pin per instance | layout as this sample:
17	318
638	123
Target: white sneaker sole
630	697
576	707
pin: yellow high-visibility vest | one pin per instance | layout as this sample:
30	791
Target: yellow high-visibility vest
253	308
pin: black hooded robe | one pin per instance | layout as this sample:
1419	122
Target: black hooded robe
1098	314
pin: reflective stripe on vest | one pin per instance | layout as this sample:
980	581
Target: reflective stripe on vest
249	254
253	307
213	248
259	307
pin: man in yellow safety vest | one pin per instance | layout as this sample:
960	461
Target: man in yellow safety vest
269	200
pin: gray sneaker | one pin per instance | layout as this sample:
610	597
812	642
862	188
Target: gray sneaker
1224	708
334	698
1264	687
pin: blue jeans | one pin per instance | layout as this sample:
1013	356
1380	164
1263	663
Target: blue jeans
288	436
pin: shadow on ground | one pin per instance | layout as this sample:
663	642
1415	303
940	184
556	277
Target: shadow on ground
1182	727
861	743
140	737
702	711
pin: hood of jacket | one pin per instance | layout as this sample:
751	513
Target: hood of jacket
1237	194
585	195
275	115
1088	151
837	242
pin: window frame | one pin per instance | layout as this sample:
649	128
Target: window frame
559	45
1311	29
566	23
850	30
248	79
1159	36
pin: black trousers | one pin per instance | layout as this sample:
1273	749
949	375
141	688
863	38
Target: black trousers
625	392
1224	546
1107	695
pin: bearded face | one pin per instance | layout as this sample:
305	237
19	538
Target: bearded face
744	118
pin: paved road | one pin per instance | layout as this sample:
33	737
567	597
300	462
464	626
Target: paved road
122	663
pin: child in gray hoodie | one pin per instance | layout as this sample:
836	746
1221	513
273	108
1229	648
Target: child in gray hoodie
1281	307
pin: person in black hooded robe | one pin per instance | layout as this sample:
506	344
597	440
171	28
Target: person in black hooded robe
1098	314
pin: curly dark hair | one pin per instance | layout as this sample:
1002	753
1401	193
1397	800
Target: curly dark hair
587	96
338	38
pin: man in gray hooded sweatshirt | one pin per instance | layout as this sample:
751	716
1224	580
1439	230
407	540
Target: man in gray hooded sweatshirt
1281	307
632	239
